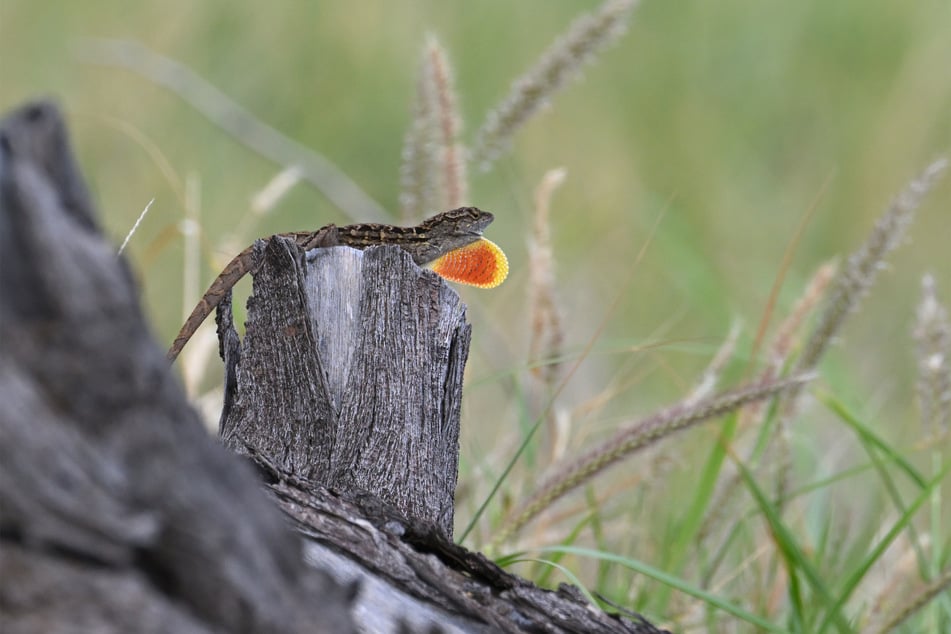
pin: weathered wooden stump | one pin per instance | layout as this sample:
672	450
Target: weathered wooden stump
119	514
350	375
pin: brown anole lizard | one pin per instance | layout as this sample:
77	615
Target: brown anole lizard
448	233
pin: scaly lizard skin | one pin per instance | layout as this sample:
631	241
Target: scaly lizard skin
426	242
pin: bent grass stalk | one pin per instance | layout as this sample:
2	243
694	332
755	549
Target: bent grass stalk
634	438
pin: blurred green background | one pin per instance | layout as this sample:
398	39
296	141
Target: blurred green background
731	119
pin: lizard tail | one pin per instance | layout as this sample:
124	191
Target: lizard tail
236	269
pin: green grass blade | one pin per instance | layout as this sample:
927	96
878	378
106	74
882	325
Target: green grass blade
568	541
564	570
853	580
869	436
671	581
690	523
796	560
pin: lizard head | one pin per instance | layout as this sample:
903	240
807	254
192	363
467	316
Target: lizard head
447	231
464	221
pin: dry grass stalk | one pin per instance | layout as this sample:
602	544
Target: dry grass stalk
191	272
586	37
900	567
267	198
856	278
916	602
852	283
433	172
135	227
850	286
418	191
448	126
859	272
784	341
633	438
778	450
711	374
933	335
162	163
236	121
547	335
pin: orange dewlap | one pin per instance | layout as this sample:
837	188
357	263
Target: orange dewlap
481	264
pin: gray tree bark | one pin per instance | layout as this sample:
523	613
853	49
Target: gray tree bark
119	514
350	375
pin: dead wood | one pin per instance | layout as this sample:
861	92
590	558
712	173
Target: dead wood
118	512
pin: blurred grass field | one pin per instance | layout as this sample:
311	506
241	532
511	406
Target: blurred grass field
727	120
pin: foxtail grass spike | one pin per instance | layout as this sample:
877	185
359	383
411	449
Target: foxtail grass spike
933	335
418	190
858	274
448	125
585	38
917	602
546	332
634	438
